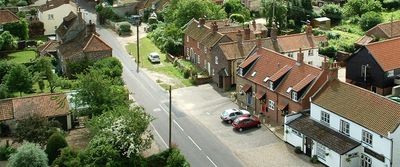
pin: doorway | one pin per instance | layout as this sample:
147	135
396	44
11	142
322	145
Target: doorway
309	143
220	82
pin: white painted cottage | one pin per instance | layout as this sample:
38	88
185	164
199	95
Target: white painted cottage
53	12
348	126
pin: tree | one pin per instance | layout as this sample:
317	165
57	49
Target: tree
4	92
5	67
299	10
54	145
18	29
333	11
237	17
280	11
28	155
69	157
97	93
370	19
44	70
35	128
110	66
19	79
125	128
359	7
176	159
168	38
235	6
8	41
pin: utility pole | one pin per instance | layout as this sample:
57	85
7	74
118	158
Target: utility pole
137	42
170	118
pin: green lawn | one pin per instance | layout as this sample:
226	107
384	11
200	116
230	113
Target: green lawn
21	57
387	16
37	90
167	68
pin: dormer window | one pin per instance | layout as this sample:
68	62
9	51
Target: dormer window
310	52
240	72
271	85
254	73
290	54
294	96
266	79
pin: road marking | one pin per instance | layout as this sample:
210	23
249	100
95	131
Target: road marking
157	110
211	161
166	145
164	109
194	143
178	126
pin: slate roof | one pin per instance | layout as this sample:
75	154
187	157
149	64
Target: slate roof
6	16
48	105
335	141
270	63
52	4
68	21
368	109
385	30
386	53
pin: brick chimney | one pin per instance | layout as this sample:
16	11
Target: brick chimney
239	38
274	32
202	21
300	58
247	33
333	71
90	28
214	26
325	64
254	24
259	42
309	29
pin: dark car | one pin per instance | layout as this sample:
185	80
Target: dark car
245	122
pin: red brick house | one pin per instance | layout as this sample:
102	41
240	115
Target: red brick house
275	85
202	37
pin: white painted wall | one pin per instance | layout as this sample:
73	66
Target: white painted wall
69	123
332	159
354	161
292	138
58	15
396	147
315	58
380	144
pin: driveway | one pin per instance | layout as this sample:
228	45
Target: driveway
254	147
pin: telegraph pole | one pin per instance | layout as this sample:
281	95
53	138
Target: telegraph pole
170	118
137	42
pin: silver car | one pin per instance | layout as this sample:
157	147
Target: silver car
231	114
154	57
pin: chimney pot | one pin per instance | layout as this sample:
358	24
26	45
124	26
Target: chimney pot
309	29
333	71
202	21
259	42
274	31
300	57
214	26
247	33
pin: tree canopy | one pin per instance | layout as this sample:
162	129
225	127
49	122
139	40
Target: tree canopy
54	145
19	79
28	155
280	11
333	11
359	7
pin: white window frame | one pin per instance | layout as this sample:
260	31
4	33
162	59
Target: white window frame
344	127
216	59
294	96
50	17
198	59
363	70
366	137
271	105
310	52
271	85
325	117
390	73
366	161
187	38
321	151
290	54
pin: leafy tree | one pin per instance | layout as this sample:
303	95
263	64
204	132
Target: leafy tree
299	11
8	41
359	7
110	66
168	38
370	19
28	155
4	92
176	159
126	129
280	11
18	29
5	67
237	17
19	79
44	69
101	153
35	128
333	11
97	93
235	6
54	145
69	157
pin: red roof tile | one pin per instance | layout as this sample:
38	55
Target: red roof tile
96	44
385	30
249	60
386	53
52	5
7	16
307	80
280	73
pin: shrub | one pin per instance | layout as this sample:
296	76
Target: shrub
370	19
22	3
391	4
28	155
55	143
297	150
237	17
314	159
333	11
328	51
6	151
176	159
125	27
68	158
186	73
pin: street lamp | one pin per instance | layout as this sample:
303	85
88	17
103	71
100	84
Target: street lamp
136	21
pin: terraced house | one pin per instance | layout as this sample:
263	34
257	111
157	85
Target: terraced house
348	126
275	85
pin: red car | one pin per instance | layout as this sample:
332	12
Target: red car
244	122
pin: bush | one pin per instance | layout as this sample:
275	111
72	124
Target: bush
28	155
176	159
22	3
6	151
391	4
237	18
314	159
333	11
68	158
55	143
125	27
332	35
369	20
329	51
297	150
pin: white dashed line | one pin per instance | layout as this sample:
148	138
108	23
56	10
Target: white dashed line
166	145
194	143
164	109
211	161
178	125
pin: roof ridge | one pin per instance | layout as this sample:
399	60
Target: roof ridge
12	13
386	40
91	39
290	35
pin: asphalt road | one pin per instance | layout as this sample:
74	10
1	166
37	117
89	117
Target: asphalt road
200	147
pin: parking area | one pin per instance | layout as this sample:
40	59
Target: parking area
254	147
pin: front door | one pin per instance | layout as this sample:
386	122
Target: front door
221	81
308	146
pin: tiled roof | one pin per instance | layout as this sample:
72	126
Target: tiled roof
386	53
6	110
333	140
359	105
204	34
249	60
52	5
270	63
232	51
280	73
96	44
385	30
293	42
48	105
66	24
7	16
364	40
50	45
307	80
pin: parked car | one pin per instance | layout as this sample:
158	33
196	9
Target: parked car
154	57
245	122
231	114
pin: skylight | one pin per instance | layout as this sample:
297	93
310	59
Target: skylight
254	73
266	79
289	89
